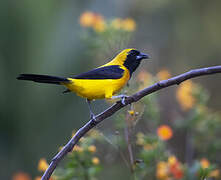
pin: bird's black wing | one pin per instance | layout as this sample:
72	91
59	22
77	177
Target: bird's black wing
106	72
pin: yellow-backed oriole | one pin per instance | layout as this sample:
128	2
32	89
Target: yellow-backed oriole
101	82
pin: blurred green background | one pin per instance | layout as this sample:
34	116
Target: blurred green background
44	37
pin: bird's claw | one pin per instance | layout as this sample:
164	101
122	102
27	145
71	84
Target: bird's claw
93	118
123	98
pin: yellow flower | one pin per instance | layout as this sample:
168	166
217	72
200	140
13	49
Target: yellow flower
99	23
162	171
172	160
163	74
214	174
42	165
116	23
21	176
87	19
129	24
140	135
92	149
95	161
164	132
184	95
131	112
78	148
204	163
140	139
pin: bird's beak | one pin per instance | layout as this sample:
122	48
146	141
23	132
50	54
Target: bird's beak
143	56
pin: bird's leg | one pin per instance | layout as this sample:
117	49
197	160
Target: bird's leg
92	115
122	96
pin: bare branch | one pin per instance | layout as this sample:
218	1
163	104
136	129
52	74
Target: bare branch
118	105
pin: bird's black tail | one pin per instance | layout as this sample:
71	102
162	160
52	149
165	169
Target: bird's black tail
43	78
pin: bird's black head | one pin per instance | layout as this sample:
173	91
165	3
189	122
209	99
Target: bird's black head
133	60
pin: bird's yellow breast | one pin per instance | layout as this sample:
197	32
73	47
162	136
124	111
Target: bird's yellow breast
98	88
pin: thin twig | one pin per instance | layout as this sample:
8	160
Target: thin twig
127	132
117	148
118	105
129	123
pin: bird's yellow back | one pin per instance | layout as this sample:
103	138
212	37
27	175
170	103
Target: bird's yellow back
101	88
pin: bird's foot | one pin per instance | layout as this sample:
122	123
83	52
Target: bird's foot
93	118
123	98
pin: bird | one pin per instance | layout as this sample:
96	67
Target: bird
103	82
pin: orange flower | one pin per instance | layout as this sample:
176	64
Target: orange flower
129	24
99	23
162	171
38	178
94	20
204	163
172	169
21	176
95	161
92	148
214	174
164	132
184	95
42	165
176	170
163	74
87	19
